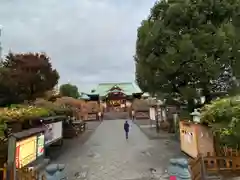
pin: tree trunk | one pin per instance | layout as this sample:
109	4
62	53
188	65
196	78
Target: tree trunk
207	94
191	105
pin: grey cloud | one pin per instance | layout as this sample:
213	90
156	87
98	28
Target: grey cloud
89	41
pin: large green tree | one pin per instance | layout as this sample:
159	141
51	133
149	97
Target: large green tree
189	44
69	90
26	76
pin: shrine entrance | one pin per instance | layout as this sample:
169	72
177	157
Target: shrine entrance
116	100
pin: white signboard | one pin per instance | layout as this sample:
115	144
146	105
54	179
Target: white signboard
164	116
53	132
159	114
152	114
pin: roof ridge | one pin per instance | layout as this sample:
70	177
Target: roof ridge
116	83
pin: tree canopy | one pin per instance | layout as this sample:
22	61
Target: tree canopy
26	76
188	45
69	90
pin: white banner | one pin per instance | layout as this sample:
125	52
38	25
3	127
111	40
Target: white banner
53	132
152	114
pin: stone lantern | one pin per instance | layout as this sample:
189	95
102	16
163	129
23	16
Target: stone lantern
196	116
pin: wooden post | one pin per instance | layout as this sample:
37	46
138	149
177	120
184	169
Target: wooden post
203	168
4	170
216	142
11	166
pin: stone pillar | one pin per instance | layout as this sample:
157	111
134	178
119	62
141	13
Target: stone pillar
179	168
55	172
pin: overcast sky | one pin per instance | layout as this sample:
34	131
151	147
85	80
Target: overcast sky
89	41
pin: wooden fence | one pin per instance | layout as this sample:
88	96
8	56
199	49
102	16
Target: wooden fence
91	117
29	174
227	162
225	151
215	163
143	114
23	174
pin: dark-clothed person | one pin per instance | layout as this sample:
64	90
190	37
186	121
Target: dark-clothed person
126	129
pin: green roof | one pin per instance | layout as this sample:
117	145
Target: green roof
84	96
127	88
115	90
146	94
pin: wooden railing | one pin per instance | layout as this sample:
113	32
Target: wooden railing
92	116
143	114
29	174
23	174
226	151
210	163
215	163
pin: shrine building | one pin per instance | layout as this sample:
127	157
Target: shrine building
116	95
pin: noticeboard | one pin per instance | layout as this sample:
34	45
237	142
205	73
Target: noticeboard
142	114
152	114
26	151
29	149
92	116
53	132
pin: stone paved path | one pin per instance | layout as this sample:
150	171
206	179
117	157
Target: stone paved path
107	155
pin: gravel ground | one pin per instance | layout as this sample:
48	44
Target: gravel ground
54	152
107	155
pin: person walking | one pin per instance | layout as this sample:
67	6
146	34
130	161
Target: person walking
133	115
100	116
126	129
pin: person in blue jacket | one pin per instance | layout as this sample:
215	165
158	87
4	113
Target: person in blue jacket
126	129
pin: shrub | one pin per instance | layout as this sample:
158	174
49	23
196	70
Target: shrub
223	115
23	113
55	107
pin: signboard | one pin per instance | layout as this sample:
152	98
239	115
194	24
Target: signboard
92	116
115	102
53	132
159	114
26	151
152	113
142	114
40	145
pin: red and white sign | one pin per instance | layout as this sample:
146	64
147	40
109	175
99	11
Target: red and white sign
17	160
